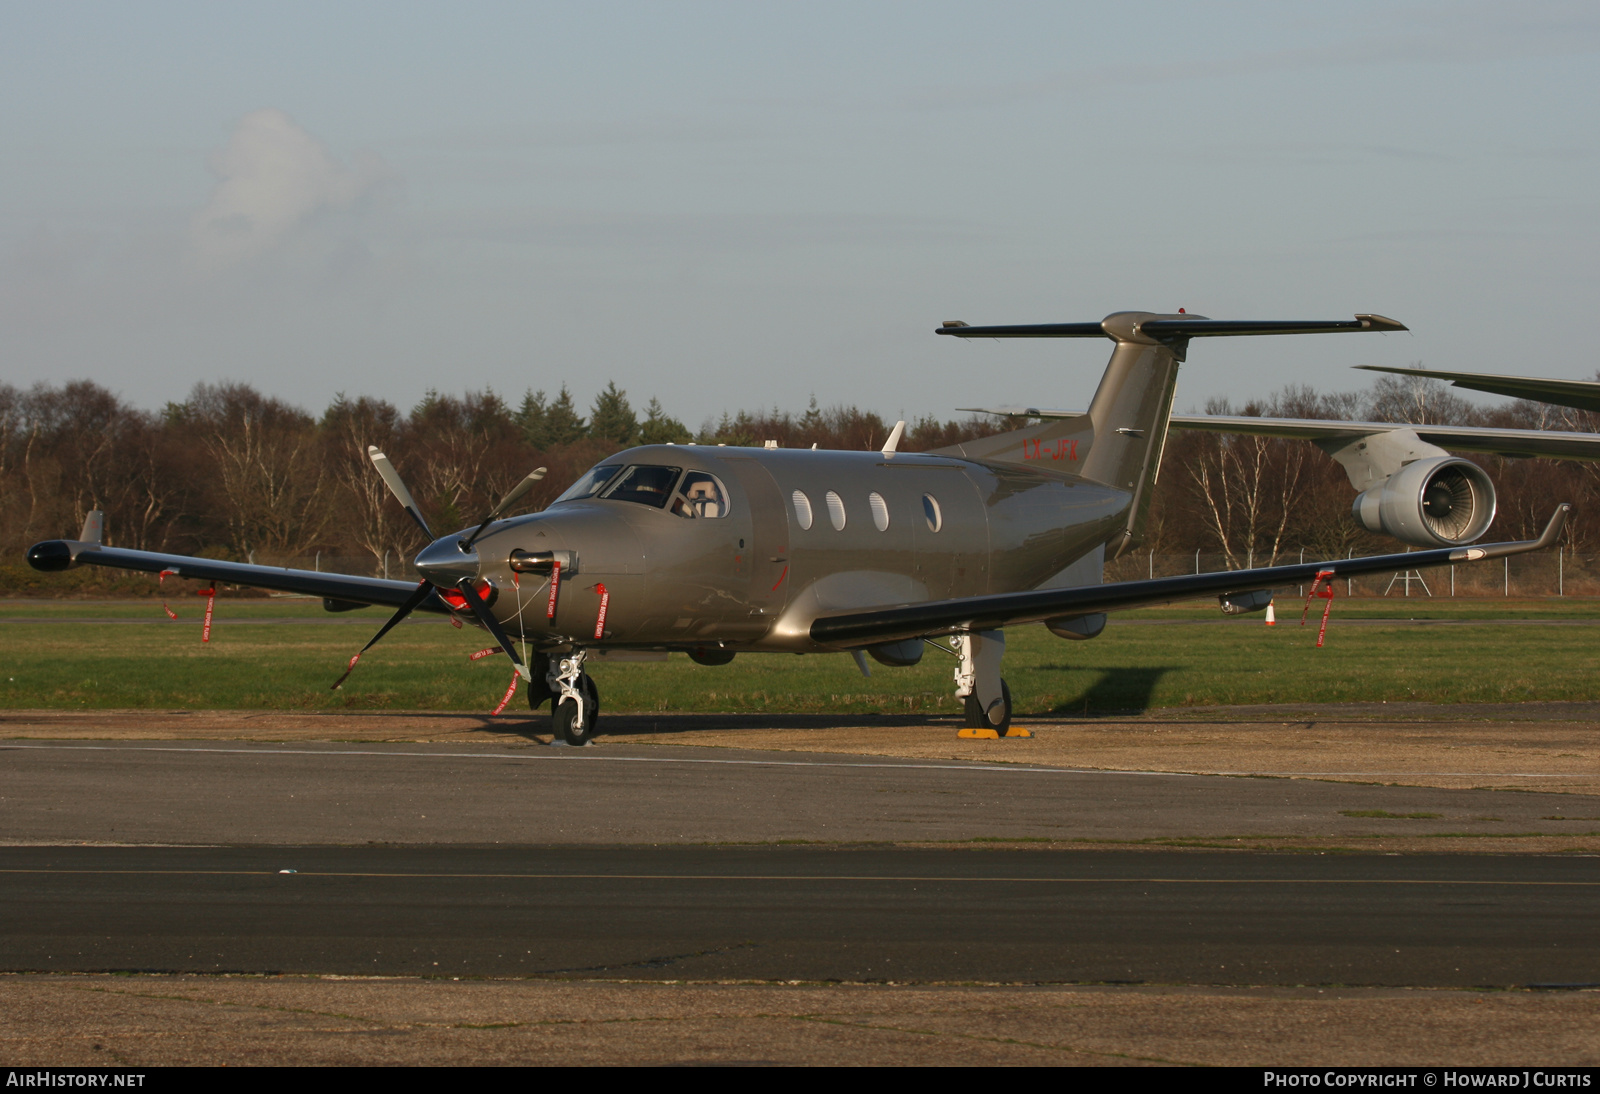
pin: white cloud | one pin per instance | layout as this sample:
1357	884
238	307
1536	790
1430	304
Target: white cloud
273	179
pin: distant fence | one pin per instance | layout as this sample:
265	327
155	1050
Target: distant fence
1539	573
391	566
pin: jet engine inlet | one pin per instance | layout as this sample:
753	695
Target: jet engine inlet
1439	502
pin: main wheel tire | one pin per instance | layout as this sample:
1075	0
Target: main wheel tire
1005	702
976	718
567	726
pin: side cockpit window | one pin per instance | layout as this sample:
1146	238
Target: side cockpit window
700	496
593	481
644	484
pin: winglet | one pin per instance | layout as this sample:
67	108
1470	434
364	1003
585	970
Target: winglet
94	527
1558	521
1547	538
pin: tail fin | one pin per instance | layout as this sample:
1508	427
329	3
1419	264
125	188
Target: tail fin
1119	441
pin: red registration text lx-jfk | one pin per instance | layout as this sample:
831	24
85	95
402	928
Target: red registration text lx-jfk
1062	450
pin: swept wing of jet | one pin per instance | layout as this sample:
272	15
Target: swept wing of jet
1408	485
1580	394
1527	443
718	550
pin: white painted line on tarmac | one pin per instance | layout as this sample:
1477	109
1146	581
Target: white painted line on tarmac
1004	769
975	765
1402	774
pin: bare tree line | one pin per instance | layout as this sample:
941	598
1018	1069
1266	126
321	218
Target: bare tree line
230	472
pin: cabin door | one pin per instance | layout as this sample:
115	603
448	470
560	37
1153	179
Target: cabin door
764	559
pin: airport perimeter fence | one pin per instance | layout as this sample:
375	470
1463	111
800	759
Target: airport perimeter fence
1538	574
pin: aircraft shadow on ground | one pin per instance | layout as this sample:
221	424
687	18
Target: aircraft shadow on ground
1115	691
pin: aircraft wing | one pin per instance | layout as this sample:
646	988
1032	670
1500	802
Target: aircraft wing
1548	443
1582	394
980	613
59	554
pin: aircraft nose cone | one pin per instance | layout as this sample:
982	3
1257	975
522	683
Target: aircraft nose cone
443	562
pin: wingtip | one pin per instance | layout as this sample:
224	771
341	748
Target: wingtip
1379	322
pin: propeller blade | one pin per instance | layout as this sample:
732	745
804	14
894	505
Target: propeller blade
423	591
505	503
491	624
397	487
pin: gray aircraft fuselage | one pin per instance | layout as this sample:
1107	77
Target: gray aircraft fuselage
752	577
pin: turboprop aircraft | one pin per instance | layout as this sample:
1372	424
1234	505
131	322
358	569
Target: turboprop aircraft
717	550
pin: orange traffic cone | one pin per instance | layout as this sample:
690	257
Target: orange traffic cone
1272	620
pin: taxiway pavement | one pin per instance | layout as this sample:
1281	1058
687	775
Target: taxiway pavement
806	913
529	794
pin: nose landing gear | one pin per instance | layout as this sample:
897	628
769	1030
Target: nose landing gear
574	699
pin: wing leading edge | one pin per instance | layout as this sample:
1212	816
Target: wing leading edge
981	613
60	554
1579	394
1527	443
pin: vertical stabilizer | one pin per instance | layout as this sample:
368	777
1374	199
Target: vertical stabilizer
1129	416
1119	441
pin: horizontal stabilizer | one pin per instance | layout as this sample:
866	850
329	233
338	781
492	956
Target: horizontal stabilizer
1163	328
1579	394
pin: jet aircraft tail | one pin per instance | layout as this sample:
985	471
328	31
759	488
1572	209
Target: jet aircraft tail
1119	440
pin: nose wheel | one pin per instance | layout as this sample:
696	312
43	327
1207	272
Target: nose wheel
576	700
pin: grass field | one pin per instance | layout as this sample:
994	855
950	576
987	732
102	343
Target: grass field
78	654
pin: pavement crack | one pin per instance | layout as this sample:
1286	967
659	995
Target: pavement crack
660	962
169	997
884	1027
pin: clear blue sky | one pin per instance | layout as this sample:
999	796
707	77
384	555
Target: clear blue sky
740	205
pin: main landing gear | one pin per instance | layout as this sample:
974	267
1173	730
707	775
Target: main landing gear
985	696
574	700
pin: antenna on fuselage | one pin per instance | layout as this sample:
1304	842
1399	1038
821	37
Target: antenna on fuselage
894	438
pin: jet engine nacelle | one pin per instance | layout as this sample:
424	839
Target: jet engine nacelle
1444	501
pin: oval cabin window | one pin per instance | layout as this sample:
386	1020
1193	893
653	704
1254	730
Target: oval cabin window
835	510
802	509
930	510
880	510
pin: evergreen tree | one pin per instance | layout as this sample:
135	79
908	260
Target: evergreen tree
811	422
561	422
532	418
612	419
660	429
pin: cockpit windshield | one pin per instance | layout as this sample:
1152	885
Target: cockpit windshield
593	481
644	484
